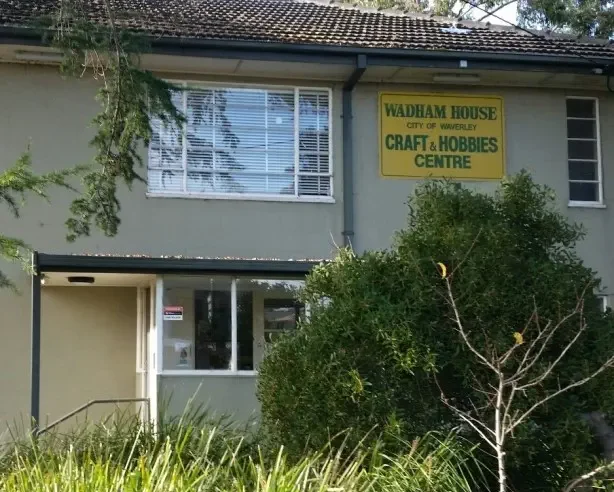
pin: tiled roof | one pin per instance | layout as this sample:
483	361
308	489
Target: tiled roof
306	22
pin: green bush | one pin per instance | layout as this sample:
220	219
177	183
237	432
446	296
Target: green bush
380	328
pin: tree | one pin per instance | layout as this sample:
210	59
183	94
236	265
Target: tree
475	10
129	96
579	17
576	17
380	349
516	372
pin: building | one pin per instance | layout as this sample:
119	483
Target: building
335	113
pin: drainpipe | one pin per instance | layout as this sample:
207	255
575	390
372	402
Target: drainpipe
348	143
35	355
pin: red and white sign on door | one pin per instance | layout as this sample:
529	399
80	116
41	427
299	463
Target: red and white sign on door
173	313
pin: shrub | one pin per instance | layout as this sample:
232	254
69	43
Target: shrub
191	455
366	357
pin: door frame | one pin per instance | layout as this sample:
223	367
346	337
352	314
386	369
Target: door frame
147	339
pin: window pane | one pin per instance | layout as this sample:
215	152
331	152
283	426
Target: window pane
314	185
201	337
314	143
582	149
199	158
583	192
165	181
200	182
280	315
262	305
580	108
582	170
581	129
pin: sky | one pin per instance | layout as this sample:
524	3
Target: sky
507	13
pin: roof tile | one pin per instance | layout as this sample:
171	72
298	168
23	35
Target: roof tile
308	23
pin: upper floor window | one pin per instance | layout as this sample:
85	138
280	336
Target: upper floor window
583	151
245	142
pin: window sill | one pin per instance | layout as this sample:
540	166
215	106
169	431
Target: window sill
207	372
572	204
259	198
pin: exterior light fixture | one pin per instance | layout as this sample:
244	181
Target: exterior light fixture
456	78
81	280
39	56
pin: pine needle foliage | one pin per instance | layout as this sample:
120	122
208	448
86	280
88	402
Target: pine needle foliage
16	183
129	96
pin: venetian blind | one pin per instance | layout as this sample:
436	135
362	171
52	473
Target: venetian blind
238	141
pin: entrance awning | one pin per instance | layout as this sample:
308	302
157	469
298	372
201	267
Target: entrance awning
137	266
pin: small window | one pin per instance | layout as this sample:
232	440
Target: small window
583	152
245	142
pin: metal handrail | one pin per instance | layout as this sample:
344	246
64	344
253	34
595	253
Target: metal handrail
92	403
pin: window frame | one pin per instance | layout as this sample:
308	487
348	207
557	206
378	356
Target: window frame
599	203
266	197
234	335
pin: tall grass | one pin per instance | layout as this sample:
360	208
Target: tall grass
192	454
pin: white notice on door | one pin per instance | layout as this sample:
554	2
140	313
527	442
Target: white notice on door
173	313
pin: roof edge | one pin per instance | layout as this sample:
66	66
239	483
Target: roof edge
353	51
319	53
46	262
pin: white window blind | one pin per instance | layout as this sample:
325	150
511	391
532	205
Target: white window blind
243	141
583	155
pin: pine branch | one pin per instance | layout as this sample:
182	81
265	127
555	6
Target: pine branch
16	183
129	97
19	179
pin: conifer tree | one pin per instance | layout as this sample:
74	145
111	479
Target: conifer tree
129	97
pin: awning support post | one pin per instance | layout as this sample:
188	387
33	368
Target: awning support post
35	355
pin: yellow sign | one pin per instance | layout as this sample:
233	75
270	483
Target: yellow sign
441	136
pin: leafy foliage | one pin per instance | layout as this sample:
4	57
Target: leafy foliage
580	17
129	96
445	8
16	183
368	354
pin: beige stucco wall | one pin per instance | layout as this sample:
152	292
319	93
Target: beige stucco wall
536	132
53	115
231	397
88	347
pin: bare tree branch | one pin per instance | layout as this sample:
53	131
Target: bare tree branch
588	476
461	329
607	364
539	379
495	10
